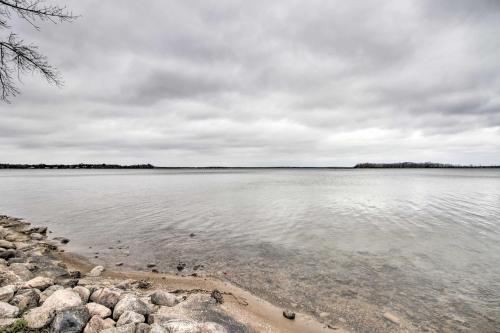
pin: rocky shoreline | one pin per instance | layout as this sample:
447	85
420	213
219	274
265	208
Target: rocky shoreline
40	291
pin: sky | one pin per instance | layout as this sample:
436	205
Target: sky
262	83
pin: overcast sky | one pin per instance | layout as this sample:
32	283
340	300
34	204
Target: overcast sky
256	83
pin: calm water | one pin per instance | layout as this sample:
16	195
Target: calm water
424	244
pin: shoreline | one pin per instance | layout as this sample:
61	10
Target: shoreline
29	256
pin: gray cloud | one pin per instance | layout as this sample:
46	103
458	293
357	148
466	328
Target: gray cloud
263	83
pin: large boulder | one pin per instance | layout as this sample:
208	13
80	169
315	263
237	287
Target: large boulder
39	282
130	317
97	324
130	303
129	328
62	299
38	318
160	297
83	292
106	296
7	293
26	299
70	320
8	311
99	310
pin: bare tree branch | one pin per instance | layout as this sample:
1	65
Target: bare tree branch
18	57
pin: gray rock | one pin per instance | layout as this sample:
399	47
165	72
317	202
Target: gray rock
7	293
26	299
21	270
106	296
8	311
70	320
96	271
7	245
99	310
130	303
160	297
129	328
130	317
39	282
142	328
38	318
83	292
210	327
97	324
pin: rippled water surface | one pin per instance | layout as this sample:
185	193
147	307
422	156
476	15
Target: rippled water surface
424	244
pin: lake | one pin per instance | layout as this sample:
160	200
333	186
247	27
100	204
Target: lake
423	243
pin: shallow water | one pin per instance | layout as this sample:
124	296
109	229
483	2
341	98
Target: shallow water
424	244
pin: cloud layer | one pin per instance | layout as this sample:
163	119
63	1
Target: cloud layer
263	83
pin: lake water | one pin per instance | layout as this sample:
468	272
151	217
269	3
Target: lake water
423	244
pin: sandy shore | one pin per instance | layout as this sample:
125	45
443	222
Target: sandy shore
39	282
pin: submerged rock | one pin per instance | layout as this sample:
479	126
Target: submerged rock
392	318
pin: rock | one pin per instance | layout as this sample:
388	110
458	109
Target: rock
106	296
39	230
288	314
7	293
143	284
217	295
324	314
151	264
7	322
41	283
181	326
62	299
160	297
392	318
7	245
124	285
210	327
26	299
118	264
181	266
110	322
83	292
130	317
192	234
142	328
62	240
155	328
130	303
8	311
97	324
96	271
49	291
70	320
99	310
21	270
38	318
36	236
69	283
129	328
6	254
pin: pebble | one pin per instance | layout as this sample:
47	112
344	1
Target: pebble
288	314
392	318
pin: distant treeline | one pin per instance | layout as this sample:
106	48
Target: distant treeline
428	165
75	166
